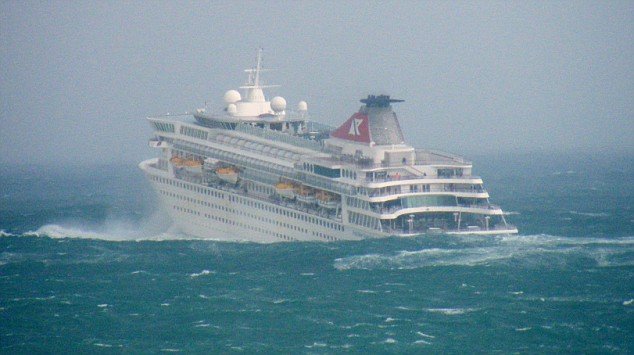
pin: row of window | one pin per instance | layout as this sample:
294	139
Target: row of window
248	202
164	127
257	229
260	205
187	210
286	212
357	203
325	236
260	189
235	223
350	174
194	132
423	201
183	185
398	189
364	221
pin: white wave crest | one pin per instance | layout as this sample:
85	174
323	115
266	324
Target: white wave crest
423	258
607	252
590	214
119	232
155	227
553	240
202	273
4	233
420	341
425	335
451	311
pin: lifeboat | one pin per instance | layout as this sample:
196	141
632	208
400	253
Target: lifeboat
305	194
326	200
228	174
176	160
192	165
285	189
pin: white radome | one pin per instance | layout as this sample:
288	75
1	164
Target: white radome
302	106
232	96
278	104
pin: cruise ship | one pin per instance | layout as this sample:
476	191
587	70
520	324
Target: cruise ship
257	171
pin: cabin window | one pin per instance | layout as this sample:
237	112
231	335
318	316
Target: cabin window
422	201
447	173
331	173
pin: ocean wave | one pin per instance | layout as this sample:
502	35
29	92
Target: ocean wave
547	240
425	335
423	258
590	214
420	341
451	311
116	233
535	249
202	273
4	233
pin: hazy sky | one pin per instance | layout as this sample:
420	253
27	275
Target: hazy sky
77	78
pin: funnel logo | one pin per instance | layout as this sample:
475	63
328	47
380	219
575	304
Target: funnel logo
354	127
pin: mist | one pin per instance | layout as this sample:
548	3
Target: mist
78	79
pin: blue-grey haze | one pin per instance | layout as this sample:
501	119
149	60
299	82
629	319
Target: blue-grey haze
539	95
77	79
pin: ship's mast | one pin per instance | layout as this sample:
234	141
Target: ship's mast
258	66
254	73
253	88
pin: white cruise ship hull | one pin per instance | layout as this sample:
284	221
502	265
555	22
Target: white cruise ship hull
226	215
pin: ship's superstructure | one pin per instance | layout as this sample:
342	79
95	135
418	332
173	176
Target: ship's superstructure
259	172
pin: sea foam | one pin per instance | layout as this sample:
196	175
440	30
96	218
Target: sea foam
534	249
118	233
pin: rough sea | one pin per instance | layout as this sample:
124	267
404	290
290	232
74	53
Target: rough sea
89	264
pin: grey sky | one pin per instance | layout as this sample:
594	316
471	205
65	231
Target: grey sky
78	78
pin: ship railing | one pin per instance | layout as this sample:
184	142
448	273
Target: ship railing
313	180
319	127
233	158
405	189
429	156
313	210
161	164
278	136
182	174
324	183
418	177
393	209
440	229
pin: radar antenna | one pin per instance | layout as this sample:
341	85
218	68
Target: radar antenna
379	100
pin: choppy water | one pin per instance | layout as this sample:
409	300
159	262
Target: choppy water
87	265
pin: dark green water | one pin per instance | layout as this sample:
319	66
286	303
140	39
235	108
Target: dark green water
86	265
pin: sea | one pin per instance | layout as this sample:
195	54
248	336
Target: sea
90	264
